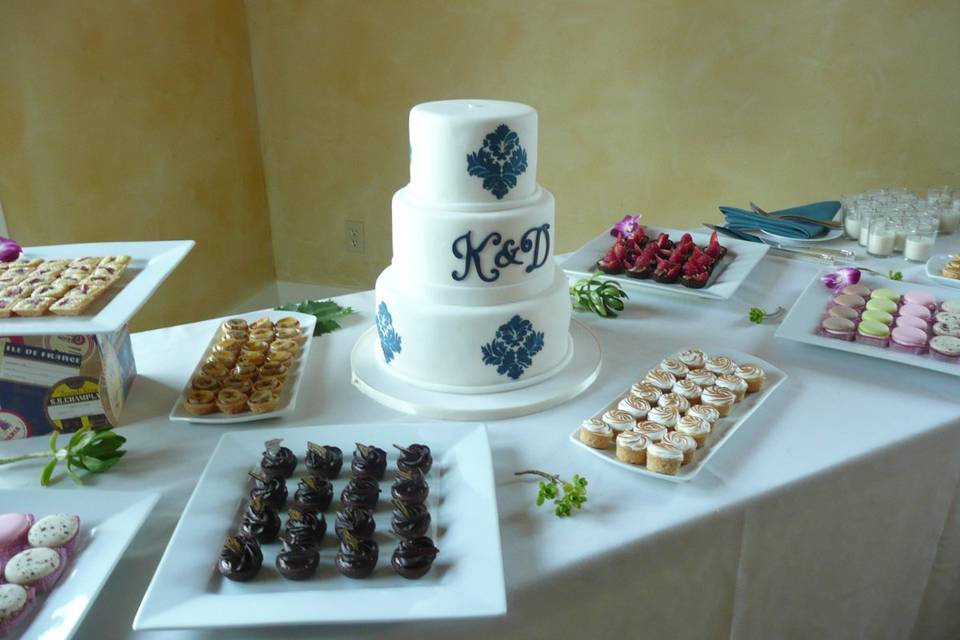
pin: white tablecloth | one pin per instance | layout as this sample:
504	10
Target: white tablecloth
833	512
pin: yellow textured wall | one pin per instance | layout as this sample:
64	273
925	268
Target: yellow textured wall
669	108
124	120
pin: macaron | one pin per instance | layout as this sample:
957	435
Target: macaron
13	532
14	603
856	290
945	348
846	313
847	300
909	337
882	304
947	316
38	567
889	294
920	297
873	329
878	316
952	306
944	329
912	321
915	310
838	327
58	530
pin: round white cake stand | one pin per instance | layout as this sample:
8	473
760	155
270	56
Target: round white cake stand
371	377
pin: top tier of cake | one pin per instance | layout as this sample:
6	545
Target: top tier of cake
473	152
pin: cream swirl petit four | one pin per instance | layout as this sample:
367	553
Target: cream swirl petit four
652	430
693	358
675	400
632	447
704	412
596	433
754	376
719	398
665	416
619	420
702	378
664	458
663	380
674	366
686	444
720	365
646	391
688	389
696	428
636	407
735	384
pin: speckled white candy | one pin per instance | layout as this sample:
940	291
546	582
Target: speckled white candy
13	597
31	565
53	531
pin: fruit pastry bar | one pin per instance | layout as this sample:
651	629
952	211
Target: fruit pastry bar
246	367
912	322
641	256
302	536
675	409
33	556
35	287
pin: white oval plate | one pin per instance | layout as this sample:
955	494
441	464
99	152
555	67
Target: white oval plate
935	268
831	234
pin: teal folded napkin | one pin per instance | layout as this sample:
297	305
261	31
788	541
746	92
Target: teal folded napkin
742	219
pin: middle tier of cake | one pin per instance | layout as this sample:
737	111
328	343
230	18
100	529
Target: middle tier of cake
457	348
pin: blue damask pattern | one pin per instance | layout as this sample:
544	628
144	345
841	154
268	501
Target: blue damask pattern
513	347
499	161
389	338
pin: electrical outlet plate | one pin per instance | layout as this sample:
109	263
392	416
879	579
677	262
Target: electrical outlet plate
353	236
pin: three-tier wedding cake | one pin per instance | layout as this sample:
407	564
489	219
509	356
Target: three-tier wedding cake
473	301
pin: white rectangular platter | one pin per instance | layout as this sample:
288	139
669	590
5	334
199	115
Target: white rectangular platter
935	270
466	580
288	395
733	269
722	430
150	264
108	522
805	315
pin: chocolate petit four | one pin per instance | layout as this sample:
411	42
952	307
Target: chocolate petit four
413	558
278	461
313	494
409	520
271	489
297	563
260	521
240	558
304	529
361	492
357	557
415	456
356	520
369	462
323	461
410	487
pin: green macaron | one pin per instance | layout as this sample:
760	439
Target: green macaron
889	294
885	305
875	315
875	329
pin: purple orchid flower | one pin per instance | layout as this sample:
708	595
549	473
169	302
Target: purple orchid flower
841	278
628	227
9	250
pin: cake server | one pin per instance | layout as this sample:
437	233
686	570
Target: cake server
749	237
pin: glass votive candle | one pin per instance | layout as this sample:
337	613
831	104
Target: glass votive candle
881	238
865	218
851	222
919	243
950	218
899	234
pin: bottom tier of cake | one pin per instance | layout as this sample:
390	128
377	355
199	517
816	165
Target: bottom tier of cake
473	349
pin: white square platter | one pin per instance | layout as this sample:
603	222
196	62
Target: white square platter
466	580
935	270
108	522
722	430
150	264
805	315
733	269
288	395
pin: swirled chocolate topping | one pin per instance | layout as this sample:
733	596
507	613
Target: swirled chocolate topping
361	492
415	456
357	520
413	558
369	462
271	489
324	461
410	487
313	493
260	522
278	461
240	558
357	557
409	520
304	529
297	563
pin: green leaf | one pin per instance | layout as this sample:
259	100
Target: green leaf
76	436
327	313
53	441
48	472
539	499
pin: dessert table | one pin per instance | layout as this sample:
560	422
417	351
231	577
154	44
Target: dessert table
833	513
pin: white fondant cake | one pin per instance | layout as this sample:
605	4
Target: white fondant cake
473	300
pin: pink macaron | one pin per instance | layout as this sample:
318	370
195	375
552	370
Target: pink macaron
912	321
915	310
921	298
909	339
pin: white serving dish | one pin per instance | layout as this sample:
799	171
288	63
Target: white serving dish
288	395
733	269
465	581
805	315
831	234
108	522
935	268
150	264
722	431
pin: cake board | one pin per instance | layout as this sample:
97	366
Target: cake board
374	379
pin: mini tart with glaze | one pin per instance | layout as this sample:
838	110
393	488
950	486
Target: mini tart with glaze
596	433
262	335
200	403
720	365
632	447
234	324
251	358
685	443
261	323
214	370
237	383
664	458
288	322
256	346
203	382
273	385
736	384
263	401
245	372
285	344
290	333
719	398
273	370
693	358
224	359
280	357
754	376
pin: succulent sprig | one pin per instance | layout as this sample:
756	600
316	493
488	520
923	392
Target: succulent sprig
566	496
758	315
602	297
87	450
